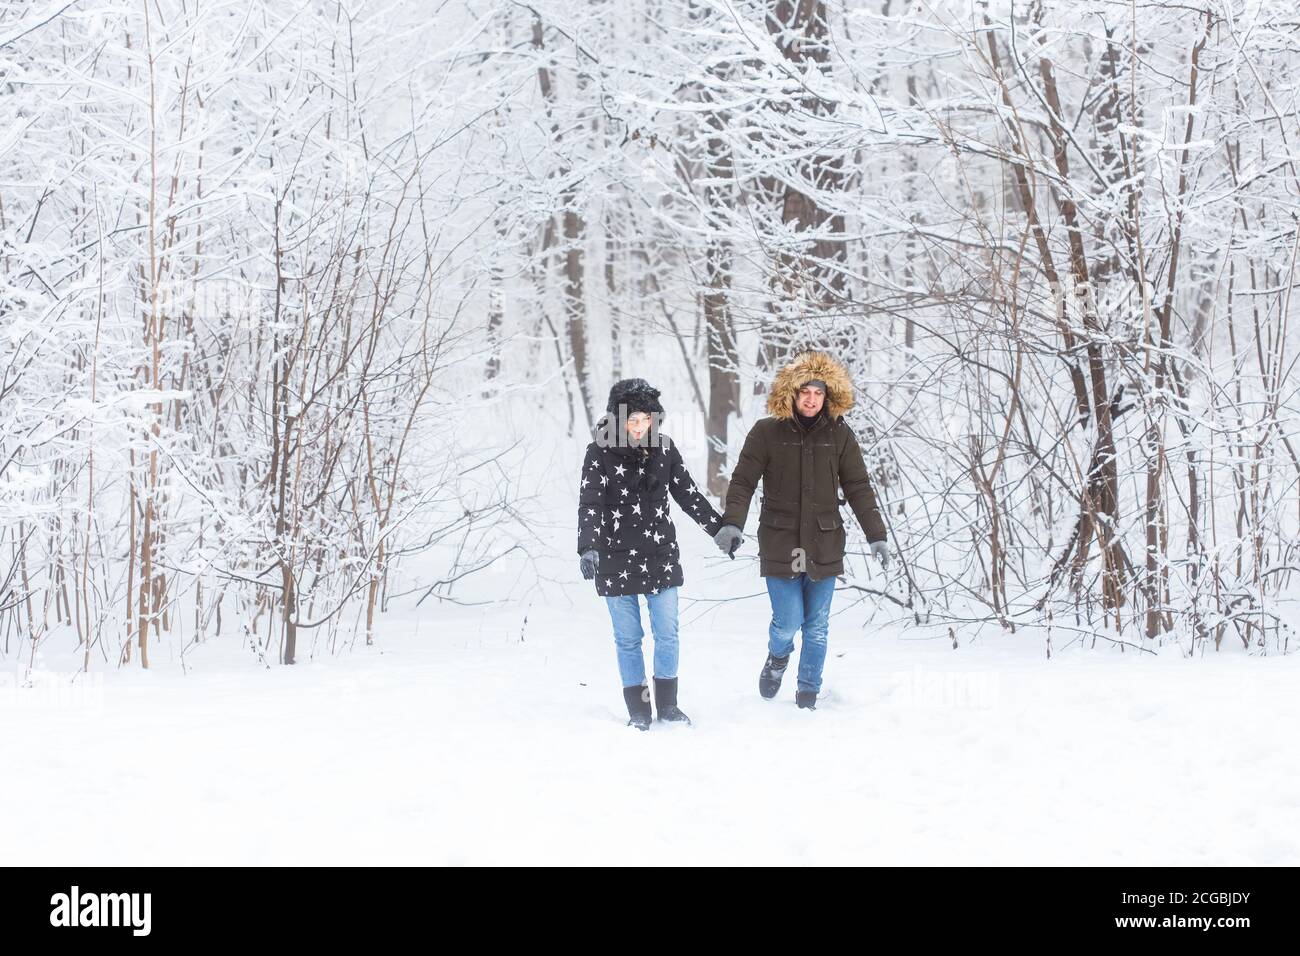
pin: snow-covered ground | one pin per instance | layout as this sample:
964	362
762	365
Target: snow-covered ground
469	736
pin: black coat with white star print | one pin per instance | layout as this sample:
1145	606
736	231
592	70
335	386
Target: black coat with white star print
623	514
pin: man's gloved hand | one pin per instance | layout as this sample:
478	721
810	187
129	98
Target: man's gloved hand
728	539
588	563
880	550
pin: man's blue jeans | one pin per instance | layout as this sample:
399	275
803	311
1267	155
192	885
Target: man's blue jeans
801	603
625	612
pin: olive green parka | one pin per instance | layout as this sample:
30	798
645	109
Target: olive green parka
803	471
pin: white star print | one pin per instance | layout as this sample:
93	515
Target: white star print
668	567
632	552
658	537
636	509
604	480
618	470
623	575
591	511
623	491
584	482
644	568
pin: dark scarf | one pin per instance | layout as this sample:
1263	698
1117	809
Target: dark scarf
807	422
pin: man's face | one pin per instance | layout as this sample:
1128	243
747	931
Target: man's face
809	400
637	425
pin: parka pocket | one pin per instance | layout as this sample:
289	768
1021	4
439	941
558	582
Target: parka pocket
778	535
828	546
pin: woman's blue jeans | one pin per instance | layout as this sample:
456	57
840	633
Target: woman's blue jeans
625	612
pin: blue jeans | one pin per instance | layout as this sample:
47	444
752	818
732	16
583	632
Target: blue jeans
801	603
625	612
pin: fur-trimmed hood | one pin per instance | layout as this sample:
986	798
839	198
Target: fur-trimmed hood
809	365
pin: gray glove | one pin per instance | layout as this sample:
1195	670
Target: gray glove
728	539
588	563
880	550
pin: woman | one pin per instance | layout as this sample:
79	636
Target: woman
628	544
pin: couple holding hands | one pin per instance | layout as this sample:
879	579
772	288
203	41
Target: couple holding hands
805	454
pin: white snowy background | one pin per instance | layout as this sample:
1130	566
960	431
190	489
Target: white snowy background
495	734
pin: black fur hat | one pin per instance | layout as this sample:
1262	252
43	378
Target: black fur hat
637	394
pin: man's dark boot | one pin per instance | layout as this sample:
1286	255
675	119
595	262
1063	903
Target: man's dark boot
769	679
807	699
637	698
666	700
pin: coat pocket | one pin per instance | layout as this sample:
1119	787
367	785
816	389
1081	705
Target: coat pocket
828	546
778	535
772	518
829	521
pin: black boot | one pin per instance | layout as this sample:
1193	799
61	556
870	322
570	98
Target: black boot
637	698
769	679
807	699
666	700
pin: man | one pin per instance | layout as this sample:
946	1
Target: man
805	455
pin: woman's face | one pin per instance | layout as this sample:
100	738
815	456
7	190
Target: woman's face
638	423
